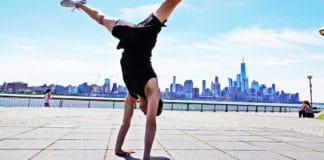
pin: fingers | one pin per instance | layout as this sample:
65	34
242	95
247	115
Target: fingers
127	152
159	158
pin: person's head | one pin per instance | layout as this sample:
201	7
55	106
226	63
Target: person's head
143	106
48	91
160	106
306	102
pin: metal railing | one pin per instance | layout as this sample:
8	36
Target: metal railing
10	100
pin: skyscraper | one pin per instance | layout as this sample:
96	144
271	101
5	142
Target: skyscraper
217	87
188	89
255	85
203	87
230	85
238	81
243	69
244	82
114	88
106	87
173	89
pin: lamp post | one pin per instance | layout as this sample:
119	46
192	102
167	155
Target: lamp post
310	88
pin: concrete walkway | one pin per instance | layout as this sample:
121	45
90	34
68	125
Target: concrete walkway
90	134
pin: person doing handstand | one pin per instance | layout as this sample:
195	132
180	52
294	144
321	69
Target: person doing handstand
137	42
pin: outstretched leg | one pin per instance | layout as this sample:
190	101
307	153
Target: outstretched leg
152	91
108	22
165	9
128	114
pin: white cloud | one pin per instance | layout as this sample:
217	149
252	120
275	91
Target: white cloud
50	69
138	13
141	12
269	54
317	57
308	37
25	47
257	38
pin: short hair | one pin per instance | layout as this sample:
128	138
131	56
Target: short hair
48	90
307	102
160	107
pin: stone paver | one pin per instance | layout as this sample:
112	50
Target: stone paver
90	134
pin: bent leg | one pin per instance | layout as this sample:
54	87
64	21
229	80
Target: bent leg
165	9
143	105
128	113
98	16
152	93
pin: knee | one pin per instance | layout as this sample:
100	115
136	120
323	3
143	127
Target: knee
126	124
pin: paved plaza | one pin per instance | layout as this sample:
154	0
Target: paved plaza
90	134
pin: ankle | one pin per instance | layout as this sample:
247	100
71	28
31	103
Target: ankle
78	5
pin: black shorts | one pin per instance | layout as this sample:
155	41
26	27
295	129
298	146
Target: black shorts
136	75
137	42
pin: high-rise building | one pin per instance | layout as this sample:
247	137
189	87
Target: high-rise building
231	85
95	89
4	86
273	87
217	87
203	87
255	85
195	92
179	89
213	88
106	86
15	85
244	82
72	90
173	89
238	81
188	89
263	89
84	88
122	89
114	88
243	69
58	89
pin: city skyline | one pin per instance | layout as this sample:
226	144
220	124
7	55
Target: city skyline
42	42
237	90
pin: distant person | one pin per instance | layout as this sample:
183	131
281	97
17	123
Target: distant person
137	42
47	98
306	110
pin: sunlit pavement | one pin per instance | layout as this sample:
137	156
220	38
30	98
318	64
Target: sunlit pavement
90	134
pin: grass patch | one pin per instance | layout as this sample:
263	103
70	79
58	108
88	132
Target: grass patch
321	116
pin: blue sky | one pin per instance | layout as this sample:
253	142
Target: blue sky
43	43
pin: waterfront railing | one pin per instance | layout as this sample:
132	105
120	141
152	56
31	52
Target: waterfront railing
10	100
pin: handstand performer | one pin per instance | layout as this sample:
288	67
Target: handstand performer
138	41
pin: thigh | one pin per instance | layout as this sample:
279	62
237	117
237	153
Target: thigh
152	88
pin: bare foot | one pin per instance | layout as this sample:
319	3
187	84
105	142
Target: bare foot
124	153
